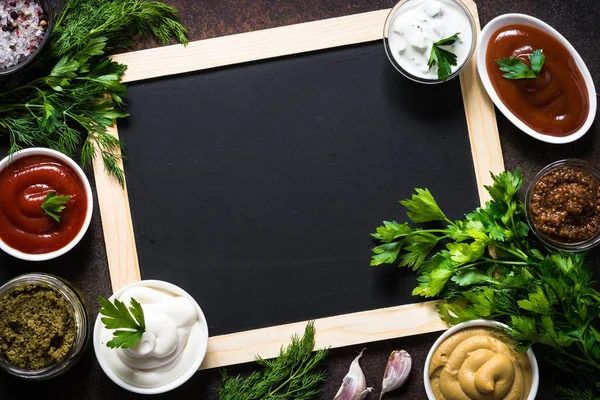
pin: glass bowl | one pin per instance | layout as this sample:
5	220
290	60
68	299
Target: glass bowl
80	315
48	9
542	234
403	71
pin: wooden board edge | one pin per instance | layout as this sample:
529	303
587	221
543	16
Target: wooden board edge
117	225
481	121
252	46
338	331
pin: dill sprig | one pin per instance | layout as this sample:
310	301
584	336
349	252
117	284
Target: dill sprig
73	92
575	393
84	20
294	374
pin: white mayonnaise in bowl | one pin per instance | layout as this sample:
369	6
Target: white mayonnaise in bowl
413	26
172	347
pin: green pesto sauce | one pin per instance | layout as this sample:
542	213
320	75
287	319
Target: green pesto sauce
37	327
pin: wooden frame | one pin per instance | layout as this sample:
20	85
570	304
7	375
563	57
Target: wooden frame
336	331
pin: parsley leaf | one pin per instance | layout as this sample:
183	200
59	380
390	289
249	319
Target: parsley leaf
517	69
524	330
537	302
417	249
444	59
435	273
422	207
386	253
483	301
53	204
472	276
506	185
124	339
118	316
463	253
391	230
453	314
537	59
433	282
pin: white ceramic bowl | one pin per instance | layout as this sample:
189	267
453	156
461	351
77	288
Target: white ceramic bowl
520	19
41	151
99	348
478	323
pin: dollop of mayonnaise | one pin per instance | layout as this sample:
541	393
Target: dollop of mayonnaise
169	346
418	24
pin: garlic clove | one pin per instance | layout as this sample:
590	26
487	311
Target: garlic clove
354	385
364	393
396	372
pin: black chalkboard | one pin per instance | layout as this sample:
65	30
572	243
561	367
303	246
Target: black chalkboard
255	187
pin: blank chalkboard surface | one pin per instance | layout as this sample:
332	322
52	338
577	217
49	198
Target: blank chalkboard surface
255	187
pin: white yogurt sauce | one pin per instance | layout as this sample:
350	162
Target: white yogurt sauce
169	346
417	24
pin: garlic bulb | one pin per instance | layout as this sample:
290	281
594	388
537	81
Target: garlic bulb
396	372
354	385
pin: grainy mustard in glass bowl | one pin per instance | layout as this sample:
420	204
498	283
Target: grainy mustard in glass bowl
43	326
562	205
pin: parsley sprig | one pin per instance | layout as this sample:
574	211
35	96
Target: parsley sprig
517	69
129	323
443	58
294	374
54	205
491	267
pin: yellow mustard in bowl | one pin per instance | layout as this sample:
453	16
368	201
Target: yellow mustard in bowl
479	363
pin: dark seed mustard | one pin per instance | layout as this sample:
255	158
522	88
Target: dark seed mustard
565	205
37	327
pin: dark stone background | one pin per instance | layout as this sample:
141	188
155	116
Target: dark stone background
86	266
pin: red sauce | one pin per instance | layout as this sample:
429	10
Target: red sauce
556	102
24	184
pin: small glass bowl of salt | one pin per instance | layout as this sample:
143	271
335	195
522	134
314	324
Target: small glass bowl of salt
25	27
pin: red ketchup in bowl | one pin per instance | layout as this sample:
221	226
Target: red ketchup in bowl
24	184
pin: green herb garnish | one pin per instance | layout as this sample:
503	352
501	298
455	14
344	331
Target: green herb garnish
129	322
53	204
73	91
294	374
517	69
491	267
443	58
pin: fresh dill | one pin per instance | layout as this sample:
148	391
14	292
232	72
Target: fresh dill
73	92
294	374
